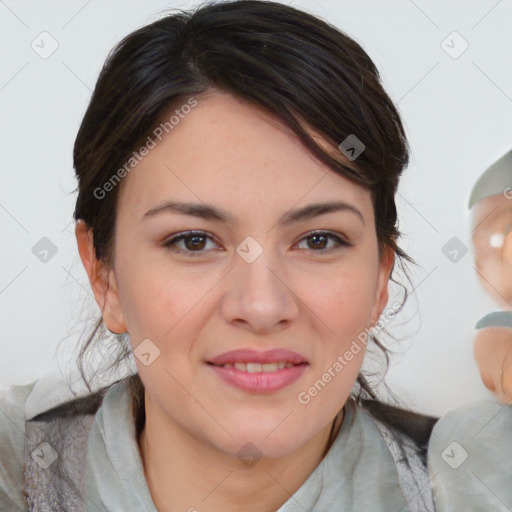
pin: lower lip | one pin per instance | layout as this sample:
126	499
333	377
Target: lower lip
260	382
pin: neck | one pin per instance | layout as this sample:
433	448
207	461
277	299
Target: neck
183	473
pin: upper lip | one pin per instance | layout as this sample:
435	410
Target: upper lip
247	355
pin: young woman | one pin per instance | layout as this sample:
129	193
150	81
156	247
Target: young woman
237	167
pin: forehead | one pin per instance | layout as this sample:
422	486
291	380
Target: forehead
236	155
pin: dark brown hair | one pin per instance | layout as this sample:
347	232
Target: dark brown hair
287	61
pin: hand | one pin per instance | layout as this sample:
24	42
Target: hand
493	354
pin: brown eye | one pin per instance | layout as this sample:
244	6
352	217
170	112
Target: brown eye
193	242
318	241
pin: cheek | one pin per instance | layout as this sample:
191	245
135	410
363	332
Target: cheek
153	298
154	290
343	308
345	298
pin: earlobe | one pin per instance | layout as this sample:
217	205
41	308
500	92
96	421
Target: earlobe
102	280
112	311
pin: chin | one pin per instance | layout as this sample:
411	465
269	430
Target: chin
249	449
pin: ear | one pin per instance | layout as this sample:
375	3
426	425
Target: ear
103	281
381	292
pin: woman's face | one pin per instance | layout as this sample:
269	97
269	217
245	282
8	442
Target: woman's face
255	280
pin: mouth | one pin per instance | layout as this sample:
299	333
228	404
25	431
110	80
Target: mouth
259	372
249	378
255	357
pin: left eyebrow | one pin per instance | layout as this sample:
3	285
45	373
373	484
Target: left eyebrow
209	212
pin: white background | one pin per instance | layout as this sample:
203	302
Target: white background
457	114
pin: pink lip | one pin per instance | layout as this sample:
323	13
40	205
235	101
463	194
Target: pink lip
260	382
247	355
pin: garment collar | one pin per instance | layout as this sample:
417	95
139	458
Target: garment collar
358	472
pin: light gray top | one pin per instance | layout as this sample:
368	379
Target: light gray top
469	459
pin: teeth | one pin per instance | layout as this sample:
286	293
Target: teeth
257	367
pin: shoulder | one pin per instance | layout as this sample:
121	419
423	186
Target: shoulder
12	431
405	423
406	433
469	457
50	396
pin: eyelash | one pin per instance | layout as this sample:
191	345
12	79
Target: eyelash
186	235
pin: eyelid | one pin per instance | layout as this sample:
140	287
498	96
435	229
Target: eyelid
341	241
326	232
169	242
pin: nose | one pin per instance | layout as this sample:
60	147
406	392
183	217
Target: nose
260	295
